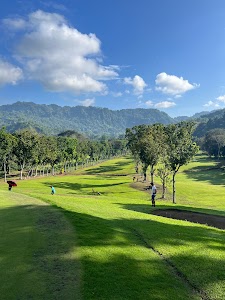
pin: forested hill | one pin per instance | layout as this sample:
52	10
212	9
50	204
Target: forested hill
215	119
53	119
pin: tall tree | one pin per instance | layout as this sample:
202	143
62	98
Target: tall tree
52	152
7	142
25	149
152	144
135	136
181	148
145	143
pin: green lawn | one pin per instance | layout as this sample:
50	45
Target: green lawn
38	252
112	241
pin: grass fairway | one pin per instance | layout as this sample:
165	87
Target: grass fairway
37	251
125	252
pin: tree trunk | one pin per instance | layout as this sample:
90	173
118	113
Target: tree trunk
163	188
152	174
174	190
145	177
5	172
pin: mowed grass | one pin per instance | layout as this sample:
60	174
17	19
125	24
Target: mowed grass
126	252
38	258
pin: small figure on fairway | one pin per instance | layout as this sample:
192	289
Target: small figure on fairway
11	183
153	193
53	190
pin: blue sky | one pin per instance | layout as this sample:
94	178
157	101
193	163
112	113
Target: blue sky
118	54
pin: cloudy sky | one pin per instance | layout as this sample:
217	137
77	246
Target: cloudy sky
164	54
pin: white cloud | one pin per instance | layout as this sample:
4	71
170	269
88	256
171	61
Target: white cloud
165	104
14	24
137	82
221	98
9	74
87	102
173	85
54	5
118	94
61	57
211	104
149	103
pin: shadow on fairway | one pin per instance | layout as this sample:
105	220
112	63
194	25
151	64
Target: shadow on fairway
118	166
214	175
78	187
120	272
37	241
147	208
35	252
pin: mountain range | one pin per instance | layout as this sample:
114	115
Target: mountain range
92	121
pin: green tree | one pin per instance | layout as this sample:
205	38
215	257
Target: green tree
52	152
135	137
214	142
7	142
25	149
180	146
164	171
145	143
152	146
66	150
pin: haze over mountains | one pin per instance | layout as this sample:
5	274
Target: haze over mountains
93	121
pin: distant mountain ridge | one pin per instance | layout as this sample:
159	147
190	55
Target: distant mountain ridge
53	119
95	121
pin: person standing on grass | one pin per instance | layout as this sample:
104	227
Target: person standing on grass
153	193
53	190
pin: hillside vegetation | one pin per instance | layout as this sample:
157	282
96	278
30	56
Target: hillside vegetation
95	121
53	119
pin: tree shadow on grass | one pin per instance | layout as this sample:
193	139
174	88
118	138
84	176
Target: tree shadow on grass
83	188
118	271
204	158
214	175
119	256
118	166
36	245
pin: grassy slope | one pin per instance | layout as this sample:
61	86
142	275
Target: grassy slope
117	235
37	251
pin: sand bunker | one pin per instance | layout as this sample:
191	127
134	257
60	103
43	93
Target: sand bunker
195	217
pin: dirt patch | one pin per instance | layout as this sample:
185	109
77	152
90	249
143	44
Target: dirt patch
195	217
141	186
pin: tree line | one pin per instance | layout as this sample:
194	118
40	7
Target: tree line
213	143
162	148
30	152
